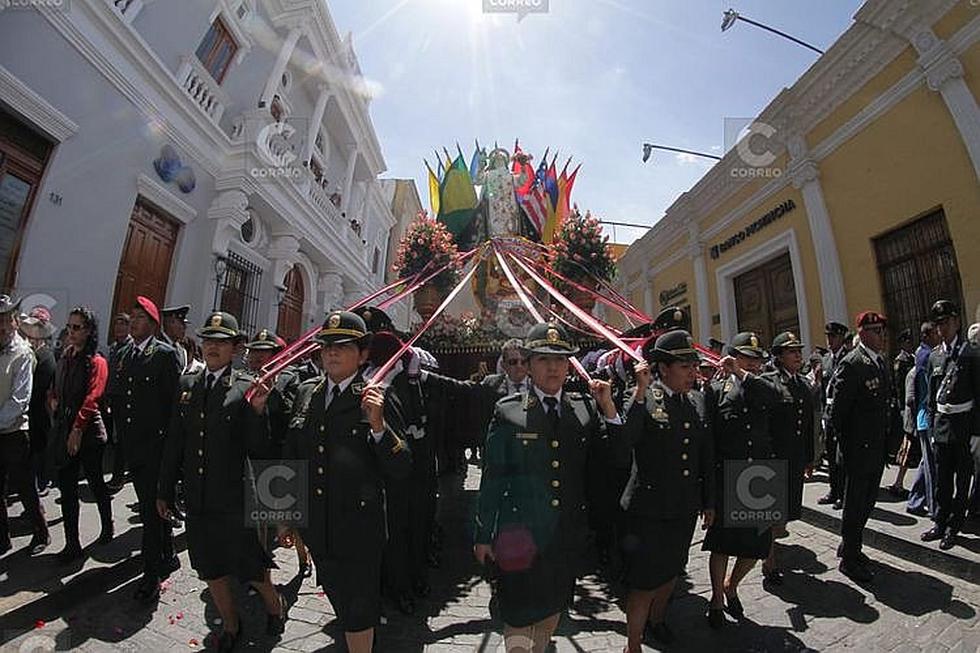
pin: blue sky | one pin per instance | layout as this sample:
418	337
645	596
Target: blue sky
593	78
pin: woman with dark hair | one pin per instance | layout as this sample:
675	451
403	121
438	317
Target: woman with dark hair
79	434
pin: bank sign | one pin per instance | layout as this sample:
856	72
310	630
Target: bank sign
750	230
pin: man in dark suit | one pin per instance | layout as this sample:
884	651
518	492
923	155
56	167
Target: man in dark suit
144	386
351	435
531	511
954	392
861	414
836	334
174	331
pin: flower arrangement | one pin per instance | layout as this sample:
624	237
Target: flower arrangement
580	252
425	241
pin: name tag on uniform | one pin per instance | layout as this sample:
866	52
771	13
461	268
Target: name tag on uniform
527	436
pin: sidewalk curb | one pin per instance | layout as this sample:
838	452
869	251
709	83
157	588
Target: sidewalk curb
935	559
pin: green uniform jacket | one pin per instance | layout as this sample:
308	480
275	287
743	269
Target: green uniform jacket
534	478
346	469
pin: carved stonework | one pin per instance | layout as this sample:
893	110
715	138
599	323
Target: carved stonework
230	210
803	173
942	71
332	286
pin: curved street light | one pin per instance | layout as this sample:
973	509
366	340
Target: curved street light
730	17
649	147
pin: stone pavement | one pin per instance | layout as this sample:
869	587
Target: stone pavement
908	608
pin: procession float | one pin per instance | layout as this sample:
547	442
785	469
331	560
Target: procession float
505	233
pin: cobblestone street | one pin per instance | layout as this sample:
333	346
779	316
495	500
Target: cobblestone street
908	608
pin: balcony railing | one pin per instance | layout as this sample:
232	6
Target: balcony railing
201	87
127	9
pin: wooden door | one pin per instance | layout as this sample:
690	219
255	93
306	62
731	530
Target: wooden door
290	323
765	299
144	267
23	157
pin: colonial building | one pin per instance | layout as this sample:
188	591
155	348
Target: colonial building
216	153
403	197
857	188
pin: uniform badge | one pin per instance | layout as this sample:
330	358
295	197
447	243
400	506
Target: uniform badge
263	335
526	436
678	316
754	341
658	393
552	335
334	321
728	387
216	320
366	315
357	388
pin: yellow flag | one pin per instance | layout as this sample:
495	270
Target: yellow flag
433	192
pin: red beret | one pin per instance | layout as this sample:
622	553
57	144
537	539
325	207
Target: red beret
870	318
147	305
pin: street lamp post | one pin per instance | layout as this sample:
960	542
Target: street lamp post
649	147
220	267
730	16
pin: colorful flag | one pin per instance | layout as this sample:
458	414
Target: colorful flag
535	205
523	173
433	190
458	198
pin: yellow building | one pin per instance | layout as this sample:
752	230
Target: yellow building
857	188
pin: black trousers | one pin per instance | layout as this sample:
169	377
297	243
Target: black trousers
835	468
89	459
158	540
860	494
954	469
15	465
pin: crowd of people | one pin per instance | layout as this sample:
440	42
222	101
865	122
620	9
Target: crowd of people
619	468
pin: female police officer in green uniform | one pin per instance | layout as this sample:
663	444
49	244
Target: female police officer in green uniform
531	511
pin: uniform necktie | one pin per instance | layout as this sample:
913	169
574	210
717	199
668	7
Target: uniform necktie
208	384
552	411
334	393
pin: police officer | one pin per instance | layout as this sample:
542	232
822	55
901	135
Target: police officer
861	401
954	390
174	330
531	510
144	386
351	435
836	340
279	406
410	500
791	408
738	415
667	428
214	432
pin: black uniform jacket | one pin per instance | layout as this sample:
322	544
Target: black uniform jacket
144	385
954	392
673	454
346	469
860	410
211	436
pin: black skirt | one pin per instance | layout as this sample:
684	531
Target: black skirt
221	545
354	590
737	541
656	550
545	588
794	503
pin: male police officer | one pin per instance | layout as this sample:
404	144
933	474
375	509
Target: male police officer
145	385
836	334
954	390
174	330
860	413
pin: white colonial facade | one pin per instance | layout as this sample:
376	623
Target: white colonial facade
215	153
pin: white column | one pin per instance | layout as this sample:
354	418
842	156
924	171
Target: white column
696	252
331	286
649	307
316	120
348	178
944	74
285	52
283	252
805	176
